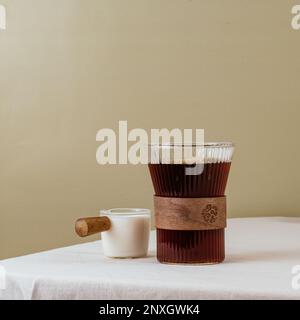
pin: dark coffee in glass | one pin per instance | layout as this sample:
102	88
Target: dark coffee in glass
172	180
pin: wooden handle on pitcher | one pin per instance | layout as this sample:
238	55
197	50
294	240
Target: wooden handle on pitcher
87	226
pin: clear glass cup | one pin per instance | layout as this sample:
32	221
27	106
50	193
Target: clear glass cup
202	176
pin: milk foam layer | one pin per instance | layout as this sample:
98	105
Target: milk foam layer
209	153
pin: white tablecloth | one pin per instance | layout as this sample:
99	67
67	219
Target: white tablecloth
260	255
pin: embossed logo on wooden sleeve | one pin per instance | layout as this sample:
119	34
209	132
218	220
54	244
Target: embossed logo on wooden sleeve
190	213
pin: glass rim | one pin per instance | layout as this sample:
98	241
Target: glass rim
193	144
125	211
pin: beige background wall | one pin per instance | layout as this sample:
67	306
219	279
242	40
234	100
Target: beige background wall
71	67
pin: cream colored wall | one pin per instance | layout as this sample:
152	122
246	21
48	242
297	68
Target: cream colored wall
71	67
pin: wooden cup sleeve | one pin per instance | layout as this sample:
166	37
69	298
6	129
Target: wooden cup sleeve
190	213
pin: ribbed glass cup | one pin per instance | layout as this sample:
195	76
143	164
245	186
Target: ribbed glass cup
191	179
